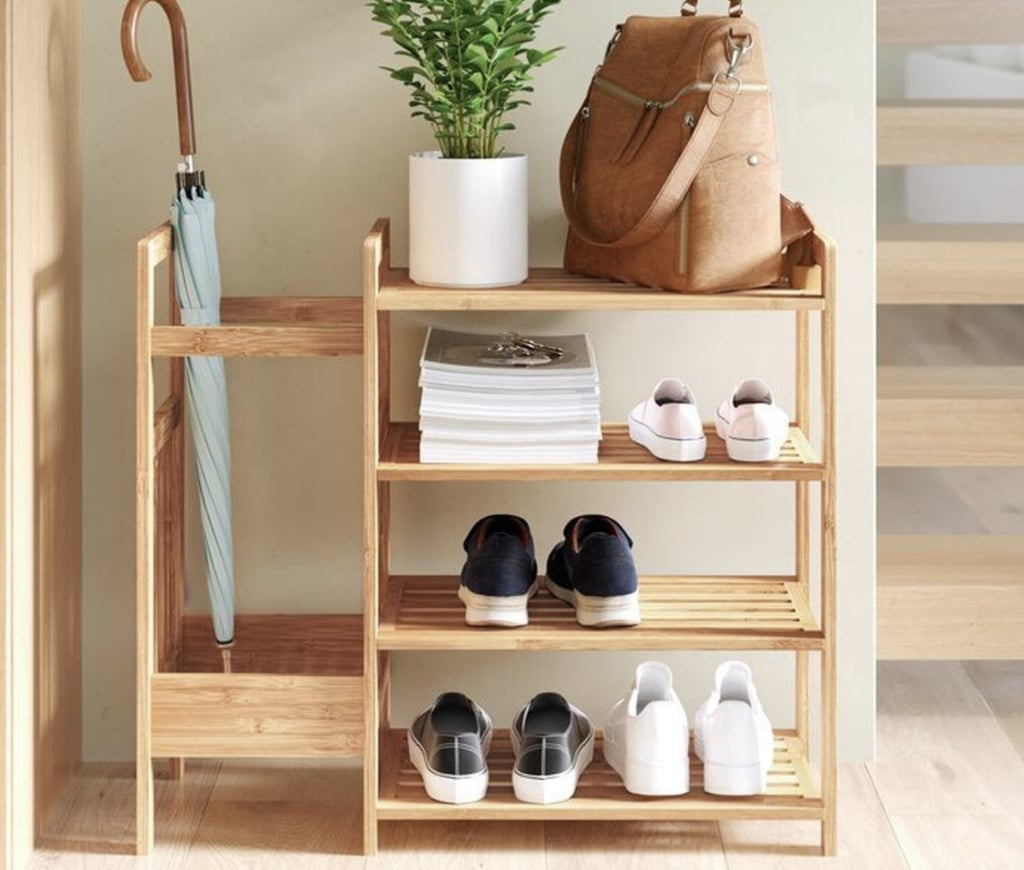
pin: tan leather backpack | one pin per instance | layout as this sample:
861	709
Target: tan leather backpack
669	172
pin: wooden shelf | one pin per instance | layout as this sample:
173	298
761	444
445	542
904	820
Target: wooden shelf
927	22
943	132
549	289
619	459
706	613
950	597
944	264
792	791
939	416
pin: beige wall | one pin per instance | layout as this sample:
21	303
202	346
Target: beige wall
42	267
305	141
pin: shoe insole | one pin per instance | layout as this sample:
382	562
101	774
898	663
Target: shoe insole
547	717
453	719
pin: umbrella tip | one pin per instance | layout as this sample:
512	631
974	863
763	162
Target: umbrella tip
225	654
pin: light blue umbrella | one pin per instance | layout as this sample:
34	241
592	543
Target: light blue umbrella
197	285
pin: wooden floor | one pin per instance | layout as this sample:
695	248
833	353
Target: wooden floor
947	791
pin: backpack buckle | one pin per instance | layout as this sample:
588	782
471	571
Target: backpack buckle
738	48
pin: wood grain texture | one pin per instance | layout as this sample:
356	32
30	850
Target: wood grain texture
257	341
950	596
151	251
933	132
634	845
555	290
41	465
619	458
953	842
925	22
1001	684
866	839
936	264
600	794
93	820
255	716
916	429
316	644
826	256
940	750
292	310
468	845
677	613
376	263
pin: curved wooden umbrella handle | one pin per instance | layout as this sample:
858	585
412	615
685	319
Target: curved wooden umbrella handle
182	72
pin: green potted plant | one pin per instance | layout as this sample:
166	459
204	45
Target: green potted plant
468	65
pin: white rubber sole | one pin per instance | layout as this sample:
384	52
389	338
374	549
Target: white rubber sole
593	611
552	789
669	449
651	780
508	611
747	450
735	781
447	789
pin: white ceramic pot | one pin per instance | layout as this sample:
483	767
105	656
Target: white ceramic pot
468	220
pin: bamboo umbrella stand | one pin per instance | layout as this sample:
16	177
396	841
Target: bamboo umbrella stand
289	686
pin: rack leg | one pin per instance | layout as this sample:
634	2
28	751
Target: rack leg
176	768
144	806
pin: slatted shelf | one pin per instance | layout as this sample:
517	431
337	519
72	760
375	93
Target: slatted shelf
943	132
950	21
792	791
708	613
942	264
549	289
619	459
938	416
950	597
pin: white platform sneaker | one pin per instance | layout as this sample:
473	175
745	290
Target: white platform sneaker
753	427
732	735
668	423
646	738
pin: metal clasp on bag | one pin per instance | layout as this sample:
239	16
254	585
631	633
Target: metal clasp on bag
738	49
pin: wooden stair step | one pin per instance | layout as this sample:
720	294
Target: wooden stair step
946	264
950	597
950	21
948	132
950	417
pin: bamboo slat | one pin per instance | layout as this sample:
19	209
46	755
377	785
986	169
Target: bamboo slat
720	613
600	794
619	459
556	290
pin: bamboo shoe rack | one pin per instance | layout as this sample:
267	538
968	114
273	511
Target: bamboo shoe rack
749	613
320	686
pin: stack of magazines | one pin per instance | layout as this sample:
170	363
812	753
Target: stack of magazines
508	399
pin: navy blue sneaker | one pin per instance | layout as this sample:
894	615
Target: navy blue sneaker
593	570
500	574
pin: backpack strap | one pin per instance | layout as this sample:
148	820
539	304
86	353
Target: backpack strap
666	203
